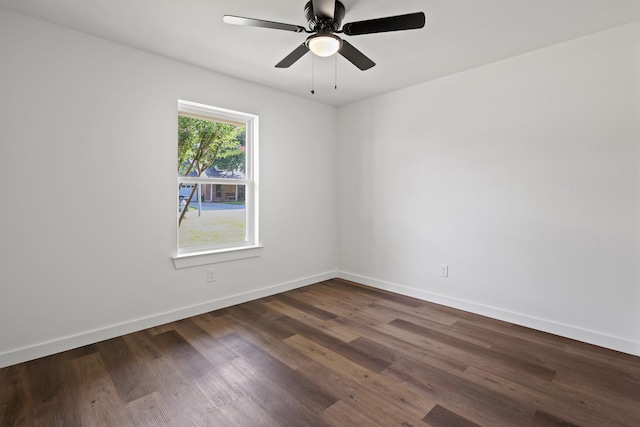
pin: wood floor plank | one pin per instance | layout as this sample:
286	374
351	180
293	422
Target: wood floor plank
263	318
98	398
330	354
470	400
229	388
14	396
442	417
183	354
281	375
577	407
187	402
621	366
261	328
430	324
242	412
420	311
282	405
371	362
215	325
302	306
142	346
601	385
348	310
452	359
600	354
150	411
340	414
272	345
327	295
330	327
222	385
54	391
353	380
285	327
378	294
363	399
615	382
432	353
452	341
542	419
125	371
348	307
205	344
253	310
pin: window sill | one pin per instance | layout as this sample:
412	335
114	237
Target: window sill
195	259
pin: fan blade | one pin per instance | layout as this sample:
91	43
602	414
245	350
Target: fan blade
410	21
356	57
324	9
290	59
250	22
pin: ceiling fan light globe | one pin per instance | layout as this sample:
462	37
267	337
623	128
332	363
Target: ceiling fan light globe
324	44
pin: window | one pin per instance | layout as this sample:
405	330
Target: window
217	180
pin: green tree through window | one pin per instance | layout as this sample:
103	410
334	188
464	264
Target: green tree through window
202	144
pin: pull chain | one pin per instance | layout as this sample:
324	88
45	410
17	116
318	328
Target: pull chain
312	63
335	75
335	78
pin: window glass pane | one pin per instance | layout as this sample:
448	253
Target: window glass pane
207	221
211	149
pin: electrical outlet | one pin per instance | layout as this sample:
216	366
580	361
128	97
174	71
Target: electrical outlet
211	275
444	270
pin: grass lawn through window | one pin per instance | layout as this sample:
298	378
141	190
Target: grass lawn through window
220	226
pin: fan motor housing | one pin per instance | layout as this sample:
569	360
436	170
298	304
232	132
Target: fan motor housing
324	25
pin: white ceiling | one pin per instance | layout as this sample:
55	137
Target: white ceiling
459	35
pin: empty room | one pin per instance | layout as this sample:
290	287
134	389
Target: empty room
320	213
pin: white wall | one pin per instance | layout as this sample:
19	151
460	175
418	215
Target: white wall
523	176
87	166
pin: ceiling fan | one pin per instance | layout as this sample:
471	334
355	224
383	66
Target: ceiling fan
324	18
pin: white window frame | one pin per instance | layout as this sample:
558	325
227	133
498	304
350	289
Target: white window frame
189	257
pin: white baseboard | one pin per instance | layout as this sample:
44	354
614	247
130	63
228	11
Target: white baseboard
67	343
587	336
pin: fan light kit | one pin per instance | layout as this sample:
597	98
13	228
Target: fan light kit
324	18
324	44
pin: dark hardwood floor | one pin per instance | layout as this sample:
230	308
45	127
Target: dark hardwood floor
330	354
